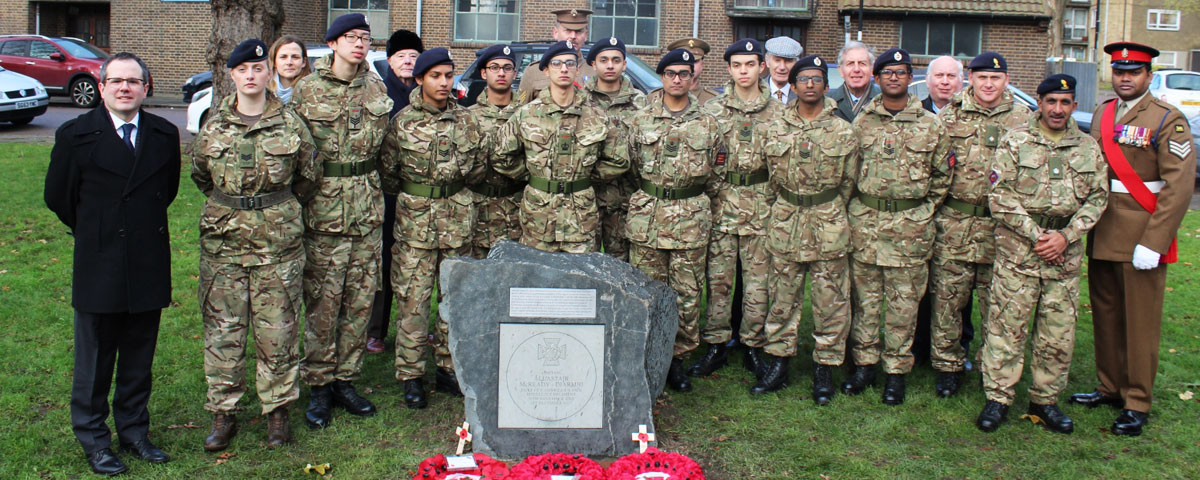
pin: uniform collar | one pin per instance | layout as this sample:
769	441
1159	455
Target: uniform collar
827	113
756	104
966	101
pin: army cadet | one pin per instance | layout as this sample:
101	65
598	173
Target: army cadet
782	53
1152	173
346	108
434	149
810	153
561	143
1048	190
247	161
700	50
675	145
497	197
740	206
903	175
611	92
964	246
570	25
854	64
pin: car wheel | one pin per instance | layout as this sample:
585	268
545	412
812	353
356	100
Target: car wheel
21	121
84	93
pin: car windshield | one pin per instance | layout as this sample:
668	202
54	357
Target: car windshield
81	49
645	73
1183	82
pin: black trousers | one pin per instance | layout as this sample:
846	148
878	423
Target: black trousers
103	341
381	306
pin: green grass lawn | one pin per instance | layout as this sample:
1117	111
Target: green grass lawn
731	433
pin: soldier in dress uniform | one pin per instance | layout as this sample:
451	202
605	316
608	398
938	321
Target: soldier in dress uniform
497	197
700	50
570	25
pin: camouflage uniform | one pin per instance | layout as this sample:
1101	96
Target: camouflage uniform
739	213
670	216
965	244
534	81
902	175
812	169
252	258
1039	186
562	150
613	198
427	160
342	238
497	197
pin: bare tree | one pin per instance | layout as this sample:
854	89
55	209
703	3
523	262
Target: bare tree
233	22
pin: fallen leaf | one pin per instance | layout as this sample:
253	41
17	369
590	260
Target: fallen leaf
1034	419
319	469
186	425
224	457
1171	350
1169	289
1186	395
1187	264
720	438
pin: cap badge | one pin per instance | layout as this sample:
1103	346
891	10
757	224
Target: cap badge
817	61
1064	84
996	62
749	47
258	50
366	21
691	43
686	56
574	12
507	51
898	56
612	40
569	45
1124	53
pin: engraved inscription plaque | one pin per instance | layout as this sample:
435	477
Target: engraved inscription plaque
552	302
551	376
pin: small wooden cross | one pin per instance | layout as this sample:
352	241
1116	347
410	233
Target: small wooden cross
464	436
643	438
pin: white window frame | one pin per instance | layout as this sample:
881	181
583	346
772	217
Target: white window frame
1154	19
1160	60
379	18
772	5
491	9
1069	14
1080	58
596	34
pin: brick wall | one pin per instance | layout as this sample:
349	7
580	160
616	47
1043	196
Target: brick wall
305	19
16	17
169	36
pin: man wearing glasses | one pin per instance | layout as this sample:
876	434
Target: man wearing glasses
570	25
699	49
346	108
497	198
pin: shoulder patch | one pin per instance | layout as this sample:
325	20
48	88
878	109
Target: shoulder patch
994	176
1179	129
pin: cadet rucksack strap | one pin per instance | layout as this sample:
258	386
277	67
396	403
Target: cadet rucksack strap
968	207
889	205
352	169
431	191
809	200
746	179
664	193
250	202
1050	222
560	187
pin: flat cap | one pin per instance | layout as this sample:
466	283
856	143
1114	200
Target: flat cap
696	45
346	23
678	56
404	40
1057	83
432	58
811	62
252	50
894	56
1129	55
988	62
572	18
784	47
745	46
610	43
558	48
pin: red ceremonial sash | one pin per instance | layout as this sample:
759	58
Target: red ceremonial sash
1120	165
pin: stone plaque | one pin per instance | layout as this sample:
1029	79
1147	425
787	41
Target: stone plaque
550	376
552	302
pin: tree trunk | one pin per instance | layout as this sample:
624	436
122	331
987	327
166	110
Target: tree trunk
233	22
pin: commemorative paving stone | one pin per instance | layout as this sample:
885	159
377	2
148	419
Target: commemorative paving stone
556	352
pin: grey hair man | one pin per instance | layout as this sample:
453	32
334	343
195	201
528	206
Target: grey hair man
855	61
944	79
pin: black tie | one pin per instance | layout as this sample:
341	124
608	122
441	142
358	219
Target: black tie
127	130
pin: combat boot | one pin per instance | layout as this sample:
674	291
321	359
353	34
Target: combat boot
279	428
753	361
893	389
1052	418
346	397
677	380
715	358
822	384
223	429
948	384
994	413
863	377
446	381
414	394
320	406
774	376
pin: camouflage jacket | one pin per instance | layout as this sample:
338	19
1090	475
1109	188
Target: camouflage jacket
431	147
1032	174
673	152
902	157
274	154
974	134
807	158
497	217
742	210
614	196
547	141
348	121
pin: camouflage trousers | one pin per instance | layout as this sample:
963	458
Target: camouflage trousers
612	233
1051	303
683	270
234	298
830	303
725	251
564	247
952	281
414	276
890	294
340	280
498	219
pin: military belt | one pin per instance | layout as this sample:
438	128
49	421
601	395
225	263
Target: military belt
889	205
560	187
664	193
968	207
250	202
352	169
497	191
1050	222
808	200
431	191
746	179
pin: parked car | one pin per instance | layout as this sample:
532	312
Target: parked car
21	98
65	65
1179	88
196	83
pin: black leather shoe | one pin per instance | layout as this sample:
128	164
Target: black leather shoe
1130	423
346	397
414	394
677	380
715	358
145	450
320	406
893	389
105	462
754	362
446	381
1052	418
994	413
948	384
863	377
1094	399
774	375
822	384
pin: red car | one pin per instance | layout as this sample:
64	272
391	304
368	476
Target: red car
66	66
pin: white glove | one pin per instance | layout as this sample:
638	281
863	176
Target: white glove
1145	258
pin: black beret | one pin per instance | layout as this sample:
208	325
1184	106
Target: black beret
559	48
1057	83
346	23
404	40
252	50
610	43
808	63
894	56
431	58
988	62
745	46
485	55
1130	56
678	56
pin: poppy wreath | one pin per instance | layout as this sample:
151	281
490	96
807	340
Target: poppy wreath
541	467
678	467
435	468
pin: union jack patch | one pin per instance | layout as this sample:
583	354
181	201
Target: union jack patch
994	177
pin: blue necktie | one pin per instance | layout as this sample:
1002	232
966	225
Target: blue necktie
128	135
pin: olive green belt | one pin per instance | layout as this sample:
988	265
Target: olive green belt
352	169
746	179
664	193
497	191
431	191
809	200
556	186
889	205
968	207
250	202
1050	222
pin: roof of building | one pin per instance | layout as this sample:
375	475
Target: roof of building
1005	8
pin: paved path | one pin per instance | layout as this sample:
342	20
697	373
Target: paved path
41	130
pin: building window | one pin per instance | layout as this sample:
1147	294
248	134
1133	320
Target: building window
763	29
1162	19
1075	24
1167	59
1075	53
780	4
486	20
941	37
635	22
376	12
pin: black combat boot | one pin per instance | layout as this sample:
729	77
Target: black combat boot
1095	399
446	381
414	394
1052	418
715	358
346	397
677	380
774	375
1130	423
754	362
893	389
863	377
320	406
994	413
822	384
948	384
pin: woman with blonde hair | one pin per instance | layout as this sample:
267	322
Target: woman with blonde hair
289	61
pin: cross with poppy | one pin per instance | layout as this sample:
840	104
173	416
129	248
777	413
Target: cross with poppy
464	436
643	438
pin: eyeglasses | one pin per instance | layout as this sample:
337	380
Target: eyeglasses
893	73
815	79
502	68
682	74
561	63
133	82
357	38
